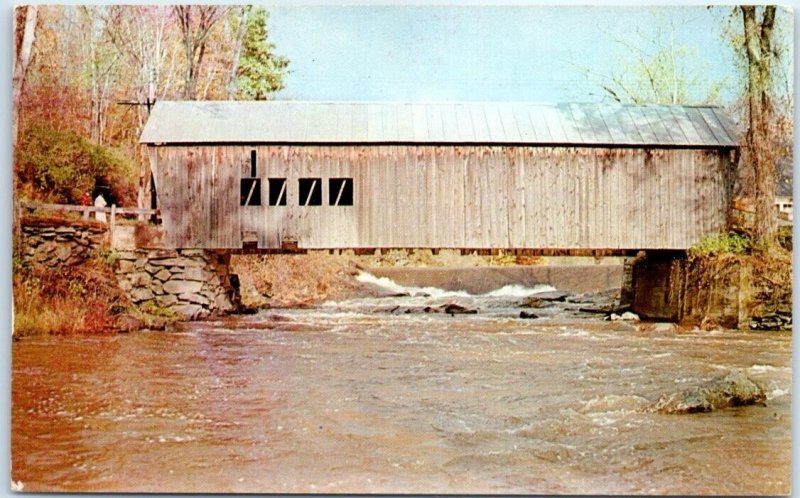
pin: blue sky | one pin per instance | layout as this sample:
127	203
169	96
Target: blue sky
522	53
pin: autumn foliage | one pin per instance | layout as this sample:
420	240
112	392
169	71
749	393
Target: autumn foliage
81	299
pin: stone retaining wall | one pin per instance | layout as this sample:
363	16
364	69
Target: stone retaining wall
730	293
193	283
55	245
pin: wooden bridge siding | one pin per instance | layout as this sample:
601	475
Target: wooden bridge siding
463	197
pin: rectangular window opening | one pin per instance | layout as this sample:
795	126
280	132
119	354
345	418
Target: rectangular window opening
277	191
340	191
253	164
310	191
250	192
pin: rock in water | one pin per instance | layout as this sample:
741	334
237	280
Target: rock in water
457	309
525	314
734	389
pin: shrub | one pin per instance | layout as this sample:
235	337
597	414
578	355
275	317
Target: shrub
721	244
81	299
60	166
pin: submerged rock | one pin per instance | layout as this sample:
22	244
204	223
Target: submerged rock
535	302
128	323
734	389
542	299
457	309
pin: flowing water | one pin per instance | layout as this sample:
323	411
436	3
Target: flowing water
360	396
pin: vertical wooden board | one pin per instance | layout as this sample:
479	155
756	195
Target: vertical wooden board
593	198
455	166
503	194
432	195
514	164
414	192
582	182
362	198
166	201
472	194
462	167
388	197
567	226
444	196
218	215
377	210
553	198
572	206
673	198
629	219
178	181
488	212
634	207
396	167
533	187
269	223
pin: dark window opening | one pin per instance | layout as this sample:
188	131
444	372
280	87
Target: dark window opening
250	192
340	191
310	191
277	191
253	164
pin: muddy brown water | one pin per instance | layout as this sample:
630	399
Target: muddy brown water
348	397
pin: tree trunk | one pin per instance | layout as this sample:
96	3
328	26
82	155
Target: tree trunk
21	60
22	56
237	51
759	139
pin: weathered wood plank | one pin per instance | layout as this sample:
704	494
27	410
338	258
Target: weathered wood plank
444	196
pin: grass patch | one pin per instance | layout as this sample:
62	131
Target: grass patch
83	299
721	244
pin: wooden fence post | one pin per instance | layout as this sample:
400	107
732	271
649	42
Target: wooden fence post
113	223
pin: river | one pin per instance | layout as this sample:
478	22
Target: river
361	397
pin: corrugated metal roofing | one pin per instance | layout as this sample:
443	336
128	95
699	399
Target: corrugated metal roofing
447	122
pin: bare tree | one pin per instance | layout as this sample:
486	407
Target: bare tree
23	43
196	22
656	69
760	55
241	29
22	56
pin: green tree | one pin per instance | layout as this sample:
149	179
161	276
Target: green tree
260	70
60	166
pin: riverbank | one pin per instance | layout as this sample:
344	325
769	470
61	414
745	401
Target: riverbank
81	298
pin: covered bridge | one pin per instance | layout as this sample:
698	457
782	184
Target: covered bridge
324	175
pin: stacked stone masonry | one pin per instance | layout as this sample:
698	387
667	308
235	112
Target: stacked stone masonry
193	283
55	246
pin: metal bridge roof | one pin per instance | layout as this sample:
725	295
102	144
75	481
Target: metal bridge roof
193	122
